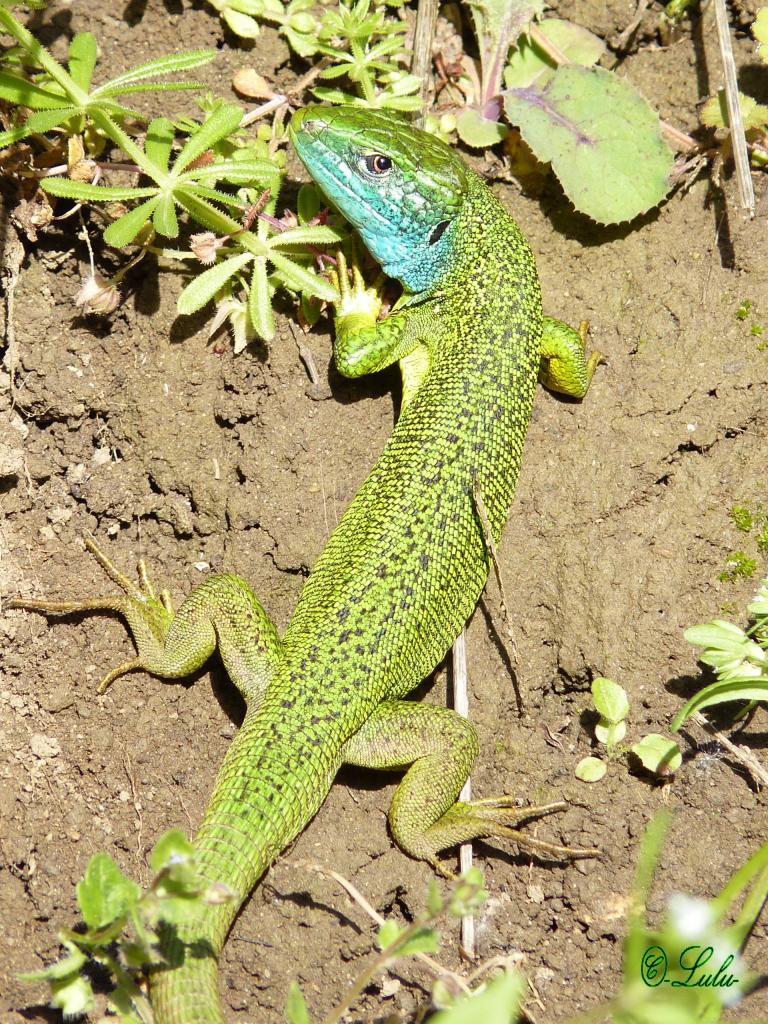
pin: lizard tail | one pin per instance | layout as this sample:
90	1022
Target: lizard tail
271	784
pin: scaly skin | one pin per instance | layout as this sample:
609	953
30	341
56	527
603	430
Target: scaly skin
404	568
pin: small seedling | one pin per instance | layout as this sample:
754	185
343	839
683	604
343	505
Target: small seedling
657	754
738	566
739	658
501	999
121	929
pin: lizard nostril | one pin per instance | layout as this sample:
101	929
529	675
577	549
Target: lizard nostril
314	127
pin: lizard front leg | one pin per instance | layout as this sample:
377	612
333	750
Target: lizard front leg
438	746
364	344
222	612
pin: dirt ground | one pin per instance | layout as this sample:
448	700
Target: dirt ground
140	431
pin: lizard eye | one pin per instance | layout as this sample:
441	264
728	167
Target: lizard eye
377	164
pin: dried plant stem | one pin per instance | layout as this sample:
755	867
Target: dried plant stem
421	65
735	122
461	706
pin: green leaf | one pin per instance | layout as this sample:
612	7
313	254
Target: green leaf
233	170
167	65
21	93
295	1006
260	302
171	848
105	893
425	940
301	279
714	113
602	138
499	1002
434	898
164	218
160	136
308	203
477	131
84	192
222	122
388	934
73	996
610	700
204	288
82	59
318	234
590	769
498	23
760	32
530	66
123	231
658	754
63	968
720	693
610	733
40	122
241	24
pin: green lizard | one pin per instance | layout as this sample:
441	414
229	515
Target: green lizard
405	566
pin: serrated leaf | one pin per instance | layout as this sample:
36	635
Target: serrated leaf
260	302
167	65
82	59
590	769
105	893
308	203
477	131
388	933
204	288
241	171
318	234
21	93
123	231
164	218
530	66
658	754
40	122
295	1006
171	848
84	192
610	699
159	141
714	113
602	138
301	279
222	122
498	1003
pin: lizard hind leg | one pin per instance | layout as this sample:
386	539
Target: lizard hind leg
565	366
438	746
222	611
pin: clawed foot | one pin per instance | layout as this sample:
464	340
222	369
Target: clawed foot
147	613
355	299
496	818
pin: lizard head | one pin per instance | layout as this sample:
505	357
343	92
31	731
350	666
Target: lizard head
400	187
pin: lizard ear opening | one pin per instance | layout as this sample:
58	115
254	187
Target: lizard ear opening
437	233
